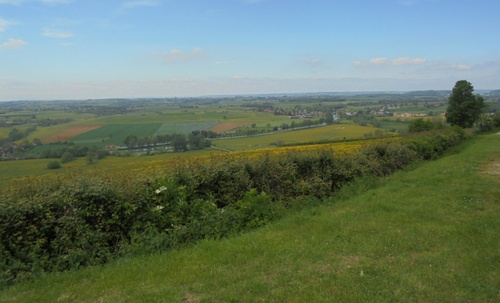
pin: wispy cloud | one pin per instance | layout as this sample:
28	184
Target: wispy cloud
386	61
4	24
57	34
178	55
407	61
448	66
314	62
13	43
128	5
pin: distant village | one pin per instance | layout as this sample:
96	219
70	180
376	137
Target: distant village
344	112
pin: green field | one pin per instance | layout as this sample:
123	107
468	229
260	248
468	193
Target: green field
114	134
323	133
425	235
117	133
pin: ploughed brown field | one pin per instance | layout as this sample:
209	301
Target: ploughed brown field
69	133
224	127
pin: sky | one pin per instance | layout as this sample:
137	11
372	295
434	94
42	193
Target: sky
91	49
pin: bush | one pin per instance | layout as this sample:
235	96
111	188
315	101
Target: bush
54	165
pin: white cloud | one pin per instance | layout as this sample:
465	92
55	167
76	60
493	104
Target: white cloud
58	34
447	66
377	61
178	55
386	61
133	4
314	62
13	43
4	24
407	61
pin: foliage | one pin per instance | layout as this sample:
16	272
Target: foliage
54	165
464	108
69	221
487	122
420	125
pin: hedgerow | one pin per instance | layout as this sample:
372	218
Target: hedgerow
63	223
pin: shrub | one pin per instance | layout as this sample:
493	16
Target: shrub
54	165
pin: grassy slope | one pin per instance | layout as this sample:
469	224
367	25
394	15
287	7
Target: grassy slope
428	235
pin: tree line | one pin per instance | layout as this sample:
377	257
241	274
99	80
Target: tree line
179	142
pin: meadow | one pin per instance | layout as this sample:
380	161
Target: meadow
427	234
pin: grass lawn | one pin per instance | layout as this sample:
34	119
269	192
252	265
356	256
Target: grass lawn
426	235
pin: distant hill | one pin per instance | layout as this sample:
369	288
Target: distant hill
429	93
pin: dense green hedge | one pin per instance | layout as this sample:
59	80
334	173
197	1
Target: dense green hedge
62	223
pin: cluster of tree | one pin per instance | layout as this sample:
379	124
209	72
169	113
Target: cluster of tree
31	119
328	119
49	121
464	108
179	142
103	110
16	134
71	151
10	149
421	125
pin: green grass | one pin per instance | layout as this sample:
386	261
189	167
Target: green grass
427	235
19	169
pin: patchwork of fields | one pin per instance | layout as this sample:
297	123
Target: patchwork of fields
69	133
100	136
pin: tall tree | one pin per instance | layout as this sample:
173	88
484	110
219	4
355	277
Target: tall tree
464	108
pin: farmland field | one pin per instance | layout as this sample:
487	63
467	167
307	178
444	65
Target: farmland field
224	127
69	133
115	134
325	133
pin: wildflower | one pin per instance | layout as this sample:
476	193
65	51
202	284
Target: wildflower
159	190
159	207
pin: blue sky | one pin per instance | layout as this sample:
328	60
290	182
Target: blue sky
80	49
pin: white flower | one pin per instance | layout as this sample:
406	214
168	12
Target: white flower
159	207
159	190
